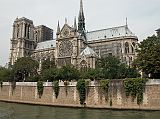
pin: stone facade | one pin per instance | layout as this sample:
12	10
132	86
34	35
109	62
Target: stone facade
72	45
26	92
42	34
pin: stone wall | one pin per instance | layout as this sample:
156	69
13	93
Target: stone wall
27	93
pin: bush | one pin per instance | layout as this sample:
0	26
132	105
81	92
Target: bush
81	87
40	88
135	87
55	86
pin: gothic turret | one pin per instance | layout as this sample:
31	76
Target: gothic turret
81	19
58	29
75	24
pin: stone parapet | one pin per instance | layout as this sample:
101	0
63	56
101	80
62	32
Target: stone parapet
26	92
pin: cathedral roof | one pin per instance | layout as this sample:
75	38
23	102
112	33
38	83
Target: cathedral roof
88	52
46	45
114	32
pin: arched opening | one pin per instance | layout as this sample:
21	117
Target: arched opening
133	47
83	65
126	47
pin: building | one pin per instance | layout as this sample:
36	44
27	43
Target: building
72	45
158	32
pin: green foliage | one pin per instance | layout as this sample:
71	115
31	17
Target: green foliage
5	74
131	73
111	67
91	74
51	74
148	59
135	87
69	72
87	84
104	84
40	88
56	88
35	78
81	87
48	64
87	81
25	67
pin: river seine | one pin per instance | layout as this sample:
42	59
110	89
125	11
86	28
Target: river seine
21	111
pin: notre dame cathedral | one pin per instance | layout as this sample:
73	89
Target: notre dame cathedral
72	45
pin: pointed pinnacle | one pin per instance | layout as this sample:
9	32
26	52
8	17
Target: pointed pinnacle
65	20
58	28
75	24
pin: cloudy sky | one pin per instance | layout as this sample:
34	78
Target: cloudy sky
143	16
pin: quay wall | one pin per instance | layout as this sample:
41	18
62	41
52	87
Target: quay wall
26	92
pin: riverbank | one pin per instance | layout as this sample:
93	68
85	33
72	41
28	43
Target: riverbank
79	106
26	93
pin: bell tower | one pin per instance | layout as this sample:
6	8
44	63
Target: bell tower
22	41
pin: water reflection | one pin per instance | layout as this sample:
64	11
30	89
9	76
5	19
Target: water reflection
19	111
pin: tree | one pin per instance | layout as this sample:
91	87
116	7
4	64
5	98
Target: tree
111	67
25	67
91	74
51	74
5	74
132	73
148	58
47	64
69	72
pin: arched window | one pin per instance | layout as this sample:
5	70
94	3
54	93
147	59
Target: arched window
83	65
28	33
133	44
36	36
18	30
133	47
126	47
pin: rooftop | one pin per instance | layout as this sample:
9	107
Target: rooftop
113	32
46	44
158	29
23	19
88	52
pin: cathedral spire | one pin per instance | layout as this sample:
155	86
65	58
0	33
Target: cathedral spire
65	20
126	21
81	19
75	24
58	29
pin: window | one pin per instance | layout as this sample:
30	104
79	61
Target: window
18	31
133	47
126	47
83	65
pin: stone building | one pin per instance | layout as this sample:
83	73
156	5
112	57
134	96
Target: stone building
158	32
72	45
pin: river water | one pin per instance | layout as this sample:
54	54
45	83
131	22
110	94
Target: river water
21	111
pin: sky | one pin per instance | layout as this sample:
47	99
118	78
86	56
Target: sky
143	16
